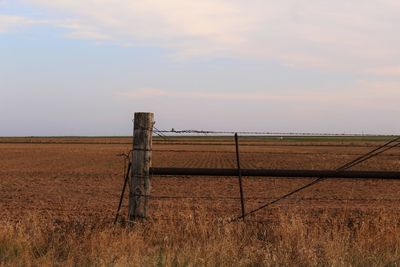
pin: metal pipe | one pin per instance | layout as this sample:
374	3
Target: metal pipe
276	173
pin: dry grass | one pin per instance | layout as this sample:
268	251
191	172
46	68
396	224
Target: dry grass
292	240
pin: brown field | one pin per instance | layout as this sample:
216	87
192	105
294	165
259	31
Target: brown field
62	193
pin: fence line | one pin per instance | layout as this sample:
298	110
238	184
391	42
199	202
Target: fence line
346	166
340	172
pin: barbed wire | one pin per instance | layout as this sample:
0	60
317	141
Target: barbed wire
158	132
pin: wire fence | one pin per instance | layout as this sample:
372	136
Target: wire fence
167	136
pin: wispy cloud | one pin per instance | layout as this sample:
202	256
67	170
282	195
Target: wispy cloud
189	26
78	30
365	95
357	36
387	71
214	96
12	23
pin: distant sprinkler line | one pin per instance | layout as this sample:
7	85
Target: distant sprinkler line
173	131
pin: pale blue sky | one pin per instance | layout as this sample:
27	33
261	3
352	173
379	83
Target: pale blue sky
83	67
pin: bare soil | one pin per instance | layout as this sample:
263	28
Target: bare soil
80	179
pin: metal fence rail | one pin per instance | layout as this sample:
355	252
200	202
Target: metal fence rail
276	173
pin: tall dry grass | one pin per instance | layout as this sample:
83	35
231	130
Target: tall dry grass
293	238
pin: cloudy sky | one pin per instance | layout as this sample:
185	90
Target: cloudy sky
71	67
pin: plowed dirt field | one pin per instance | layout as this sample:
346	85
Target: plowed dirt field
80	179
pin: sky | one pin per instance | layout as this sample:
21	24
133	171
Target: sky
71	67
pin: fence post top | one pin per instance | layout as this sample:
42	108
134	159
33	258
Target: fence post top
143	113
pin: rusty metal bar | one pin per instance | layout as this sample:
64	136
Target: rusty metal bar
239	175
276	173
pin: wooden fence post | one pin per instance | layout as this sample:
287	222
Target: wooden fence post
141	162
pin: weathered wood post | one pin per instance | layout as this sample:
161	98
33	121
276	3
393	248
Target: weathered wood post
141	161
